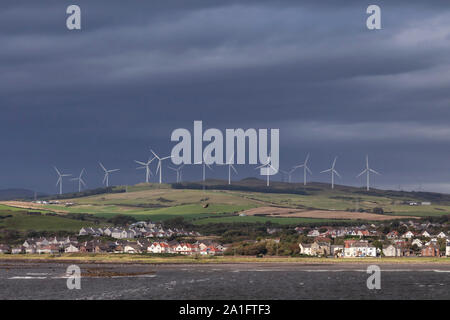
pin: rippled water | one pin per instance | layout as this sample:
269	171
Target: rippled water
233	281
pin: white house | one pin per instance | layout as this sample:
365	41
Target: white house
17	250
392	251
408	235
442	235
129	248
71	249
417	242
426	234
360	249
305	248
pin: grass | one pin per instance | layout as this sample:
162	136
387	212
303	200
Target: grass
161	202
21	221
142	258
254	219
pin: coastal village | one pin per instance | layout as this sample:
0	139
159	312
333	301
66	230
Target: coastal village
368	241
337	242
140	237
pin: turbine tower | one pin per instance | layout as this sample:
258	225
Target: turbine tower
178	171
160	160
60	179
367	171
306	170
230	167
288	174
333	172
204	165
146	166
107	172
267	165
80	180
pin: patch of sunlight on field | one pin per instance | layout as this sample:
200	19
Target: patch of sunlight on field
253	219
162	197
188	212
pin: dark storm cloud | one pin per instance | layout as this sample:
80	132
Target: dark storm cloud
139	70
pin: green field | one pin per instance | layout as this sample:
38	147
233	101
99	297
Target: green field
161	202
255	219
21	221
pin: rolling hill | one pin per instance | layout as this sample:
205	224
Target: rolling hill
249	200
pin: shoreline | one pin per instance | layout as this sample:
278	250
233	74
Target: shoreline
216	260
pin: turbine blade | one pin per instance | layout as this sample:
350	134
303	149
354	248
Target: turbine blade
140	162
362	172
328	170
337	173
156	156
103	167
371	170
307	158
234	169
57	171
310	172
334	162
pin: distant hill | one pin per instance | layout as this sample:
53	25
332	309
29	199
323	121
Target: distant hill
312	188
17	194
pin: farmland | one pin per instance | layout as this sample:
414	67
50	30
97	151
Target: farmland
247	201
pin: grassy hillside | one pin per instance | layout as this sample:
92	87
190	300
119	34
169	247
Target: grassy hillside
22	221
223	203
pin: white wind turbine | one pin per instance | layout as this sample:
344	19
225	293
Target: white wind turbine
160	160
367	170
107	172
333	172
230	167
178	171
306	170
204	165
146	166
288	173
267	165
80	180
60	179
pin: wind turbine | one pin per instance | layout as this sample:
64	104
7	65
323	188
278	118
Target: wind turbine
333	172
267	165
204	165
80	180
60	179
305	169
230	167
367	170
178	171
146	166
160	160
289	173
107	172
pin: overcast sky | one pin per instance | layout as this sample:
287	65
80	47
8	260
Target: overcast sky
137	71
